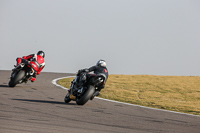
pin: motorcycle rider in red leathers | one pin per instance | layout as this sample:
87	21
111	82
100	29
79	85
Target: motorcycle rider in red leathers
33	57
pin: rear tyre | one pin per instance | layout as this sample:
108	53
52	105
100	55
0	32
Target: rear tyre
15	80
86	96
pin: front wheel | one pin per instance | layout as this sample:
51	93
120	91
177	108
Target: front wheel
67	98
86	96
17	77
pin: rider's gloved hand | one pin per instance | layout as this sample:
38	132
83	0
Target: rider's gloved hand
82	70
79	71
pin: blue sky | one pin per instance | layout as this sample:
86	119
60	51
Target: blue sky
134	36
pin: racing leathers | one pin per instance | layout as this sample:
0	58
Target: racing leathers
33	57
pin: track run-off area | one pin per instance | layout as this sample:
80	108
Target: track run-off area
39	107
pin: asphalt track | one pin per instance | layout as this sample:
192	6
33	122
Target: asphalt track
39	108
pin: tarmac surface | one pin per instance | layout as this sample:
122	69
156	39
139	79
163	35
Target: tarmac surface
39	108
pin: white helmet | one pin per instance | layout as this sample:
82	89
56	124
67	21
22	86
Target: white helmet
101	63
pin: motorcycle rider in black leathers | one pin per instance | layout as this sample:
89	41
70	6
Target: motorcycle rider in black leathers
98	69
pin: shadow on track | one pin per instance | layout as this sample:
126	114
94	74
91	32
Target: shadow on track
44	101
4	86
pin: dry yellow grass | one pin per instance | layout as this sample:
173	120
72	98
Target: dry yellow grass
176	93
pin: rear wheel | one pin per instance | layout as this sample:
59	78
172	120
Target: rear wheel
17	77
86	96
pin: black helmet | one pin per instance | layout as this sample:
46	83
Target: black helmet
41	53
101	63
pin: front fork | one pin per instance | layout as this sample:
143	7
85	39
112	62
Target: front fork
72	97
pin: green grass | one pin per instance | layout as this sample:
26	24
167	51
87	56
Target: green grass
176	93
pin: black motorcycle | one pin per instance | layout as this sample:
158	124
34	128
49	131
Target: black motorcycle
84	88
23	72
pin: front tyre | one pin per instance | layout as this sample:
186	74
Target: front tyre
86	96
67	98
15	80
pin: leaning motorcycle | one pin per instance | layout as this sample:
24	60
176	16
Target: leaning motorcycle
23	72
83	89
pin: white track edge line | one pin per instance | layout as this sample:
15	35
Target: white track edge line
55	83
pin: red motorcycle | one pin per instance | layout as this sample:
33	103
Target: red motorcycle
23	72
